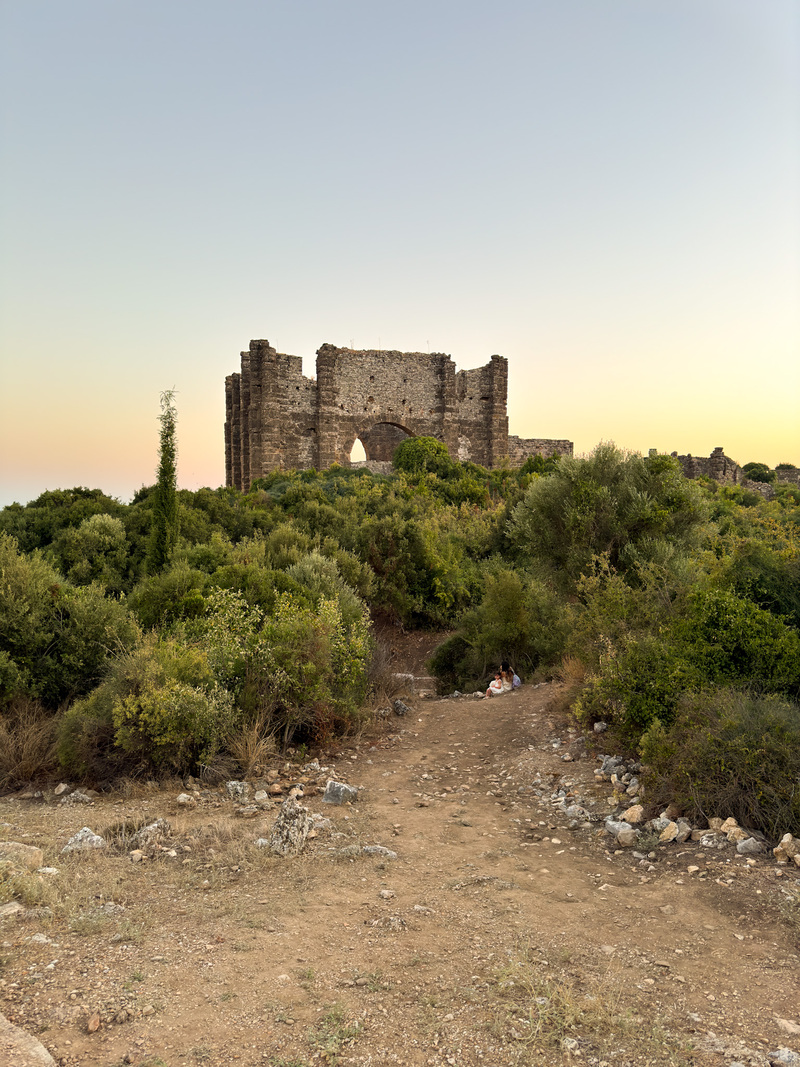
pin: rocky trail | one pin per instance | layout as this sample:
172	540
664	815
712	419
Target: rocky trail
496	923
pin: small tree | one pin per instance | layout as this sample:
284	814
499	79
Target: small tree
164	529
758	472
417	454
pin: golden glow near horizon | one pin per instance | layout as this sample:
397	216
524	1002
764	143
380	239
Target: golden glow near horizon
604	194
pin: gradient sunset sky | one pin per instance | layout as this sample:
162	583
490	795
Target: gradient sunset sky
603	191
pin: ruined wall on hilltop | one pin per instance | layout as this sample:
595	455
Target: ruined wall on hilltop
727	471
277	419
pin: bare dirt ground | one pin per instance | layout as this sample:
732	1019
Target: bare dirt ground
497	936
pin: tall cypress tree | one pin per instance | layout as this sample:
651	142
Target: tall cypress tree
164	529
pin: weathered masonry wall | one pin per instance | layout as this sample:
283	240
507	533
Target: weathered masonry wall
519	448
727	471
278	419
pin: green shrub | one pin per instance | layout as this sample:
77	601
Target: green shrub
758	472
731	640
95	551
539	464
417	454
728	753
520	619
174	593
174	726
635	685
55	639
160	708
771	579
307	669
632	509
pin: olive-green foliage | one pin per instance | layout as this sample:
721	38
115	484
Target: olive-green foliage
758	472
539	464
164	532
160	708
95	551
657	585
728	753
645	652
768	577
417	454
55	639
38	524
641	681
321	579
729	639
174	593
172	703
634	509
612	607
520	619
302	666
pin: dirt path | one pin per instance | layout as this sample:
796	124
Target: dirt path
497	936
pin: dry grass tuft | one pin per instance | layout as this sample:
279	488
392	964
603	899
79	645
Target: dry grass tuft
382	677
27	743
571	676
27	887
252	747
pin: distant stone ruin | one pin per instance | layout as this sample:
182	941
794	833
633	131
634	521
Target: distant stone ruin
277	419
727	471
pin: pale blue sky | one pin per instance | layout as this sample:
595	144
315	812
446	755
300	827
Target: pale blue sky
604	191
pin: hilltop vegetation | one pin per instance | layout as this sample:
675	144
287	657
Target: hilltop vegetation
671	607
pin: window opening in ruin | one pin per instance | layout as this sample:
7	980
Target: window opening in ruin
358	455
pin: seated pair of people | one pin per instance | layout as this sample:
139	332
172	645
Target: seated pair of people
504	681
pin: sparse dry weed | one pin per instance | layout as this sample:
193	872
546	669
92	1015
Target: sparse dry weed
252	746
27	743
552	1012
790	910
26	887
382	677
571	676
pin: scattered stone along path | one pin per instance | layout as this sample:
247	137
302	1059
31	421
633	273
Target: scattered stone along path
506	931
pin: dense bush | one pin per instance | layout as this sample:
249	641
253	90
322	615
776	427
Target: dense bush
767	576
730	639
417	454
759	472
160	708
520	619
630	508
640	683
95	551
55	639
728	753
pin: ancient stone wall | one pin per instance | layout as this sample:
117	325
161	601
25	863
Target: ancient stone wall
519	448
727	471
717	466
278	419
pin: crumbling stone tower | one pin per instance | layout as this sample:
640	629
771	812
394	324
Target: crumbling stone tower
278	419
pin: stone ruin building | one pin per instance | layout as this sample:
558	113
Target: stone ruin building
717	466
277	419
727	471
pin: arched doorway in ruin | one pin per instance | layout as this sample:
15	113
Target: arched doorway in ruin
377	443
